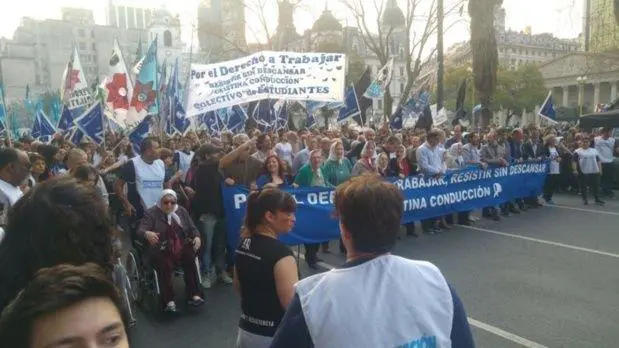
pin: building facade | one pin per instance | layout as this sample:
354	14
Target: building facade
127	17
515	48
37	54
583	79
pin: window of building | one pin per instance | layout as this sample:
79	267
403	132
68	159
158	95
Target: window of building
167	38
401	71
82	46
80	32
94	46
92	33
380	103
401	87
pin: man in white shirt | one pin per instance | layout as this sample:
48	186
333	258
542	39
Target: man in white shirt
607	148
14	169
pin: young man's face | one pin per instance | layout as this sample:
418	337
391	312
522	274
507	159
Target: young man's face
77	326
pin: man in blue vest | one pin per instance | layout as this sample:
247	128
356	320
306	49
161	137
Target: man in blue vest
375	299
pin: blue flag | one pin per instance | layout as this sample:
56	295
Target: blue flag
351	107
76	136
66	119
91	123
236	119
281	121
42	126
548	110
180	122
396	119
139	133
264	114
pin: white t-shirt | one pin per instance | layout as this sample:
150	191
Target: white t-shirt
588	160
284	152
605	148
554	163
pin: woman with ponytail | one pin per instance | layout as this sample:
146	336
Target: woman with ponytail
265	269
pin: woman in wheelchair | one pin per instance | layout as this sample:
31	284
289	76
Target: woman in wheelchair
173	239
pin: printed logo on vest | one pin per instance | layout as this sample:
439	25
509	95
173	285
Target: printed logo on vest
424	342
152	184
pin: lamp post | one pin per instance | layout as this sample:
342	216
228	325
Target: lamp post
581	80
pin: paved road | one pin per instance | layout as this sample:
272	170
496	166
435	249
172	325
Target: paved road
546	278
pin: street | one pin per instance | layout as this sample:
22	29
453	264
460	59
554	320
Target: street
545	278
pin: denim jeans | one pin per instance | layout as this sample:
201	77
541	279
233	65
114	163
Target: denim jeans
213	232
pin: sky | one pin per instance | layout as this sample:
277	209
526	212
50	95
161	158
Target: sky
563	18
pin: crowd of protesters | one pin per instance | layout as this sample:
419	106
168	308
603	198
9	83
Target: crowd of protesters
87	200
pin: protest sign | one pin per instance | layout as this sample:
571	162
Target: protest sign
266	75
424	197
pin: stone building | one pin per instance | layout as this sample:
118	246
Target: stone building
221	29
515	48
582	79
127	17
37	54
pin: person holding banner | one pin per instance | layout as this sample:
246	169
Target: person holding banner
410	302
272	173
265	270
312	174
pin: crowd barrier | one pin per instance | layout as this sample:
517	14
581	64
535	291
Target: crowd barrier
424	197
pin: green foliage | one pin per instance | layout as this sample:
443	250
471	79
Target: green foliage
519	89
516	89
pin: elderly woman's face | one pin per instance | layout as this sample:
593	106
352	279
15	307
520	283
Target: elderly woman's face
168	203
369	150
339	150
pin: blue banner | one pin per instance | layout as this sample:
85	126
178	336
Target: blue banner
424	198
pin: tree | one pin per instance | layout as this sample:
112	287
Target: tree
417	43
485	55
516	90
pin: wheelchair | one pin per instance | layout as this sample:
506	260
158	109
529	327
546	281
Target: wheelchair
143	279
123	281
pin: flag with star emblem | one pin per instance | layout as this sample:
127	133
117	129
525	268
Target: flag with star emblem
118	88
144	98
75	91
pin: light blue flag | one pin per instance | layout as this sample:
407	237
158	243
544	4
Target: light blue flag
548	110
144	100
42	126
91	123
3	113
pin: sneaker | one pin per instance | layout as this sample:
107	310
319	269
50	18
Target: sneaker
206	281
170	307
225	278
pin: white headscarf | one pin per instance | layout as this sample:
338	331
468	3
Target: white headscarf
332	156
172	215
